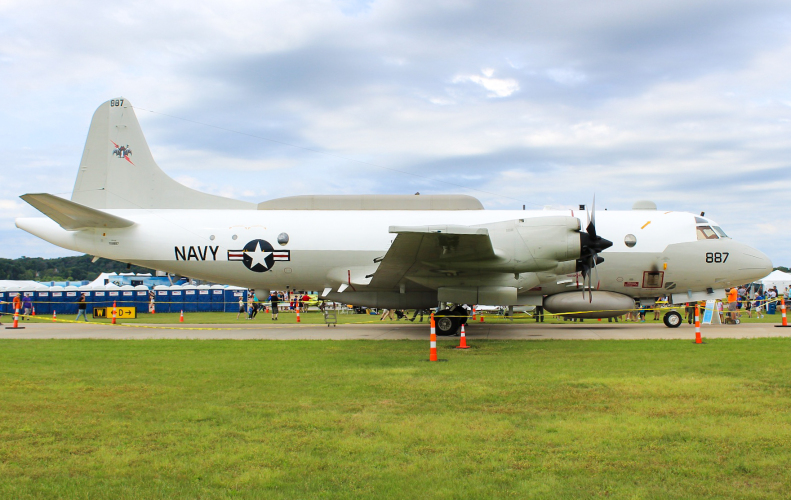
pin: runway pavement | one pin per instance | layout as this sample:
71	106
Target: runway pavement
394	331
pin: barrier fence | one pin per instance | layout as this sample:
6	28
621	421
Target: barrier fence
478	312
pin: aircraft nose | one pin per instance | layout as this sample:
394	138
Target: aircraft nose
757	262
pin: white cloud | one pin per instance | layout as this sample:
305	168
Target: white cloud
497	87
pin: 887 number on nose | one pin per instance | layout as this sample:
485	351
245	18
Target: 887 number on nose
716	257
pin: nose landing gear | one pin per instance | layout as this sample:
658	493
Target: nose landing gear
672	319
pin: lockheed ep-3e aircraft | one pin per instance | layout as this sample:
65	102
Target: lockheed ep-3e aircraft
382	250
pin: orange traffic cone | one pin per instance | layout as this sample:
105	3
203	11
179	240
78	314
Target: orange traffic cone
433	341
33	313
698	340
463	343
54	316
16	322
783	311
114	312
181	318
297	313
473	313
481	315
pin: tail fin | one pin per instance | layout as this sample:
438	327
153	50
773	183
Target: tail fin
118	171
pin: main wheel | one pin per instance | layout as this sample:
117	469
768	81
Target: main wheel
446	323
672	319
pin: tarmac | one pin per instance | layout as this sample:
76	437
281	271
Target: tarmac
590	330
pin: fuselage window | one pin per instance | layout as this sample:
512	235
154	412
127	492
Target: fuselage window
706	233
719	231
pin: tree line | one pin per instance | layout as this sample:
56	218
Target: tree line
62	268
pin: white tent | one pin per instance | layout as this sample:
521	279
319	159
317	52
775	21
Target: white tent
777	278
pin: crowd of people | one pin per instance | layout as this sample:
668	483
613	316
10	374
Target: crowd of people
275	301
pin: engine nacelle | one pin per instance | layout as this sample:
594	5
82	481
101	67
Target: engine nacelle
549	240
534	244
603	305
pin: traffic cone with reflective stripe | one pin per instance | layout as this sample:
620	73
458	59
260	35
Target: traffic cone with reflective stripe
33	312
463	342
16	322
114	312
481	315
783	311
473	313
181	317
54	316
698	340
297	313
433	346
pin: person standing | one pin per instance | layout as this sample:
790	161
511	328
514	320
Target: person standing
690	310
733	298
82	306
274	298
758	305
249	304
539	314
151	300
418	311
305	300
17	303
658	305
385	313
27	305
241	306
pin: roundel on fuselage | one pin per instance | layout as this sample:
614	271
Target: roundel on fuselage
258	255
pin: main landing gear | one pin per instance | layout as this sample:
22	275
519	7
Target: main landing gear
448	321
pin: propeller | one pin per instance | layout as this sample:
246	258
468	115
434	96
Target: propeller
590	246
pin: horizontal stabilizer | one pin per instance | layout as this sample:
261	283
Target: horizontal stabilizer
72	216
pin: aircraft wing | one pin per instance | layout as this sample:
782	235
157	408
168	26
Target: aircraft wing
72	216
430	247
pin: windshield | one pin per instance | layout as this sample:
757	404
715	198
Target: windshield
706	233
719	231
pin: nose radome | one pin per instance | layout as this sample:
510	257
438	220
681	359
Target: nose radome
757	261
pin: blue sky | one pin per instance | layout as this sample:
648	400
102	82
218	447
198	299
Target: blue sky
542	103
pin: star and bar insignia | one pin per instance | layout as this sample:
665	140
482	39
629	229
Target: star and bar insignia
259	255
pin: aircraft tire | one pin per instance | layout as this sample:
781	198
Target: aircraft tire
672	319
445	323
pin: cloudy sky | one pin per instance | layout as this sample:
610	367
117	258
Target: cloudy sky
540	103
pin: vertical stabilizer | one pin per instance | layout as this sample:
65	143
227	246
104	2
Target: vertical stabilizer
118	171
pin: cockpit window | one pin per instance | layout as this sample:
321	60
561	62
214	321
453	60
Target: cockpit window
719	231
706	233
700	220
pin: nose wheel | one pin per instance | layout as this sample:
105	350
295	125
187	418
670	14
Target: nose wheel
672	319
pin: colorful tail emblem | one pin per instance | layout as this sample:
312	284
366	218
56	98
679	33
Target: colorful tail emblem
122	152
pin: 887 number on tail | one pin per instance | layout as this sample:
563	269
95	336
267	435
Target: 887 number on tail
716	257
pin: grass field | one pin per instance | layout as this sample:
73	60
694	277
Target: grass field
351	419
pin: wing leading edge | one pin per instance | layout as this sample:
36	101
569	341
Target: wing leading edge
418	248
